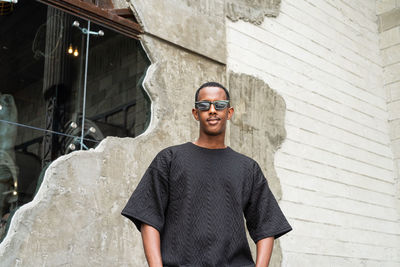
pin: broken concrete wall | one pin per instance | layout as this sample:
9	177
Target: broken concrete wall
257	130
253	11
197	25
257	127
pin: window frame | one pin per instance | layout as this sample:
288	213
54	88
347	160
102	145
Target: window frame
116	19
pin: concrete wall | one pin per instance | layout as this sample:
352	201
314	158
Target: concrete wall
336	165
196	25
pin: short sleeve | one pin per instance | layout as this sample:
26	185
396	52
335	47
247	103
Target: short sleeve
264	217
148	202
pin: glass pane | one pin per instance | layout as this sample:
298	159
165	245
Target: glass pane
116	102
42	67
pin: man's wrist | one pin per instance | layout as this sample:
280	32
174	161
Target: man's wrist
264	251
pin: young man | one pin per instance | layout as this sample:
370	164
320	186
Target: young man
190	203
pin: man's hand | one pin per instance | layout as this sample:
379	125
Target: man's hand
151	245
264	251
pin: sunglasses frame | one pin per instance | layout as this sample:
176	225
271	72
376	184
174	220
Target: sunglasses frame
211	102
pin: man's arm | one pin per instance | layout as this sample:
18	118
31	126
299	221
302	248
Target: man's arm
151	245
264	251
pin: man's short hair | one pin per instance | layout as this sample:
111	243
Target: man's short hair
211	84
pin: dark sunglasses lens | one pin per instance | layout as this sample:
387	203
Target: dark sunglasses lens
203	106
219	105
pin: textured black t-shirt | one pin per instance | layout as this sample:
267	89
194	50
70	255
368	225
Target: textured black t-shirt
196	197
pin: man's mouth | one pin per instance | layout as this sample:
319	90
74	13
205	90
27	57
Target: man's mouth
213	119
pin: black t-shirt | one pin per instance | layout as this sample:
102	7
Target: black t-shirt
196	197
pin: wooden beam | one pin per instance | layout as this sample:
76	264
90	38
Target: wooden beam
106	17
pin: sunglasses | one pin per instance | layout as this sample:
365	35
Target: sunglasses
205	104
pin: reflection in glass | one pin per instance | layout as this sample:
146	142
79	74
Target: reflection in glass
8	166
41	94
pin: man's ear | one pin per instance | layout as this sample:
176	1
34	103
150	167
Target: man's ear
231	110
195	114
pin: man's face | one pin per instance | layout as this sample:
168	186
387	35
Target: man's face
212	121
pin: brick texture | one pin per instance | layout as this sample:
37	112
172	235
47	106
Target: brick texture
336	166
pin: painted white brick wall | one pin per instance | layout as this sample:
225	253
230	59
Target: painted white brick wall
390	49
336	166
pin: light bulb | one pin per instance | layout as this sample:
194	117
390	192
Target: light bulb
73	125
92	129
70	50
72	147
1	107
76	53
15	193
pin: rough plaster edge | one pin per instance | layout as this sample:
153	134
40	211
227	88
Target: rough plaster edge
277	254
279	143
252	14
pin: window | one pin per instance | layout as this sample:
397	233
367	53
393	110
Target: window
56	98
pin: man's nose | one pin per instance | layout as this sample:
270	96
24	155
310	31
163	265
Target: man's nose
212	109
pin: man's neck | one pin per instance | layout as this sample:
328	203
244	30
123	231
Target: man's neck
212	142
